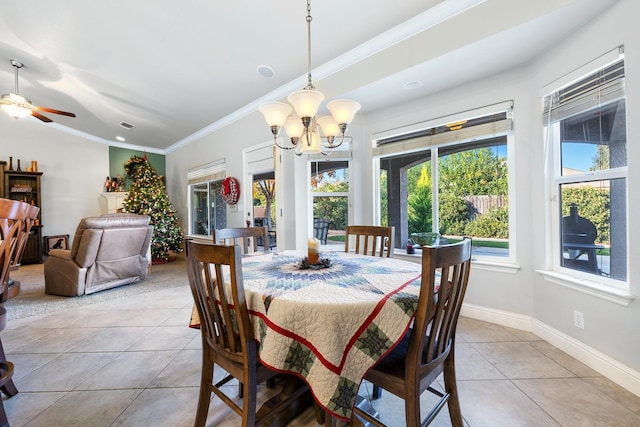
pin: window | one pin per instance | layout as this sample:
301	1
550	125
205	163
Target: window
330	197
207	209
450	179
585	124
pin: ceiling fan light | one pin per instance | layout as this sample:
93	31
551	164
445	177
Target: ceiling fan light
329	126
343	110
275	113
16	111
306	102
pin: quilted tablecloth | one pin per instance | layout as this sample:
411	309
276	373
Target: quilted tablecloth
329	326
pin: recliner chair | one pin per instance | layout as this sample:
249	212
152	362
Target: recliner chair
107	251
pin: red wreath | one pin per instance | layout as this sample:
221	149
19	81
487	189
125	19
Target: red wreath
230	190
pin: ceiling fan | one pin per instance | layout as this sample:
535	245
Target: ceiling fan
18	106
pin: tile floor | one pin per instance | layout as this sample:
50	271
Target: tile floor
134	362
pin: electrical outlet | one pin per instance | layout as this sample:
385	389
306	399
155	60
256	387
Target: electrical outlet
578	319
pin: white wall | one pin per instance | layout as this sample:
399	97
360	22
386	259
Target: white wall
609	328
74	170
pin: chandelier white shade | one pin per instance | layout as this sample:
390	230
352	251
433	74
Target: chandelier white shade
302	129
306	102
343	110
275	113
313	147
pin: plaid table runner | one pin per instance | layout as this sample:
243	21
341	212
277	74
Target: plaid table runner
329	326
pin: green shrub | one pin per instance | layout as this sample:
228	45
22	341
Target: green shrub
453	214
494	224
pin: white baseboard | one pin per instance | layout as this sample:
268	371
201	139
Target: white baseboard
499	317
596	360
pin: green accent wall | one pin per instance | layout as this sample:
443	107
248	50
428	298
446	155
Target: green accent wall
118	157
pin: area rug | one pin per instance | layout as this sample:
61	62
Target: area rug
32	300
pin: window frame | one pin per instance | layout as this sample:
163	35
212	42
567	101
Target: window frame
502	128
614	290
341	156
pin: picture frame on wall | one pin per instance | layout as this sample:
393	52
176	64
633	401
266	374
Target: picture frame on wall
56	242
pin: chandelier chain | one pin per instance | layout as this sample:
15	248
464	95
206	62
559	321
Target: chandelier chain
309	19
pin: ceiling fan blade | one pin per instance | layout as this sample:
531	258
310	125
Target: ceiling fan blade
39	116
51	110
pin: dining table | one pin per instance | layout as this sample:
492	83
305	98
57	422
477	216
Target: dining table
330	323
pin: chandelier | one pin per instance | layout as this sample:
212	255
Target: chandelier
303	128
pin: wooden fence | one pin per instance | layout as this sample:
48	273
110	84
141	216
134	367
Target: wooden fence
480	205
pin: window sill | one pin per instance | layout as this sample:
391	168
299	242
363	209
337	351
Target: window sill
480	264
596	289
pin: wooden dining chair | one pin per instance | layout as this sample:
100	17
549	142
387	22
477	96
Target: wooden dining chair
370	240
227	334
8	230
247	237
427	350
25	214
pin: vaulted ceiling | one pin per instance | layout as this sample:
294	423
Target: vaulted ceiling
176	68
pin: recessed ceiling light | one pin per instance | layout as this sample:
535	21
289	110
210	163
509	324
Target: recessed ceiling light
119	138
266	71
412	85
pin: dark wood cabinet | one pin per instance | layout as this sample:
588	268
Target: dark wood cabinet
25	186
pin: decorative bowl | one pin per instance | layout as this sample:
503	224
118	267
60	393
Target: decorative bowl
426	239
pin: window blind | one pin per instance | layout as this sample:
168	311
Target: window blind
599	88
487	126
209	172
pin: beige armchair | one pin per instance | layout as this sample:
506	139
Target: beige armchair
107	251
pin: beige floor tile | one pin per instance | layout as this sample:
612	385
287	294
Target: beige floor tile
181	317
499	403
471	365
476	331
13	339
110	339
24	406
617	393
182	371
166	338
56	341
520	360
131	317
65	372
574	402
97	408
25	363
572	364
175	407
130	369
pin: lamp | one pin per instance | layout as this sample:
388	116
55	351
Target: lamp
302	129
17	106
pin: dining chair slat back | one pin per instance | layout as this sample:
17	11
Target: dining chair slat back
25	214
11	223
370	240
427	350
215	278
249	238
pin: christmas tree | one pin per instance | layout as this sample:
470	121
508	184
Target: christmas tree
148	196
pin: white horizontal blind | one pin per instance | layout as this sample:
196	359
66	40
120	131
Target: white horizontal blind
209	172
602	87
414	143
260	159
